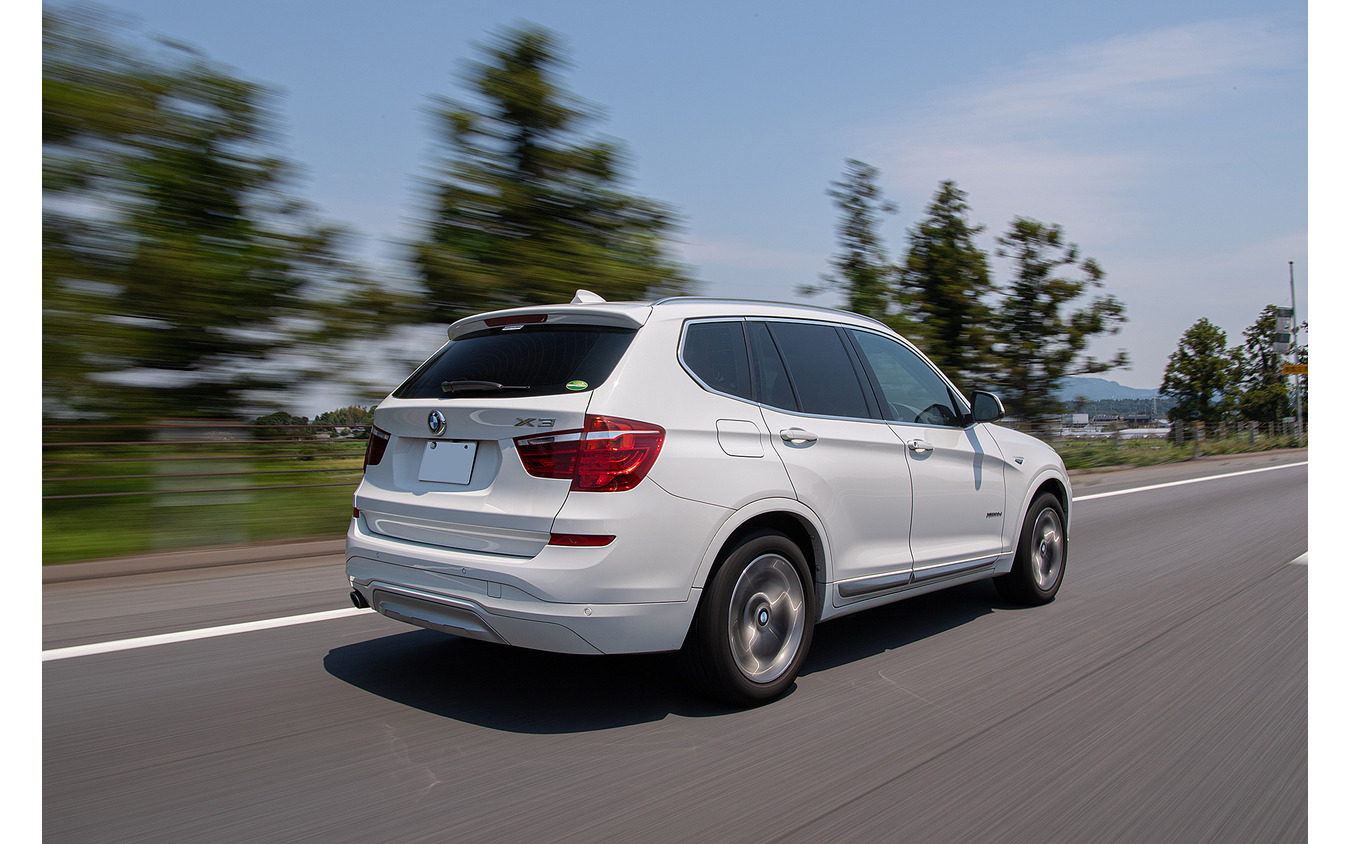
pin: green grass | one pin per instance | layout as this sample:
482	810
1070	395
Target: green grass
1097	454
97	528
118	527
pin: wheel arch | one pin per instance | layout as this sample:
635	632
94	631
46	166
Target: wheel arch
1059	489
1056	485
783	515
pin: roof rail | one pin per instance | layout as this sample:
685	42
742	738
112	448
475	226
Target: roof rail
730	300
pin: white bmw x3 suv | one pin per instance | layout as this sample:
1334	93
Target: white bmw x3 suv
710	476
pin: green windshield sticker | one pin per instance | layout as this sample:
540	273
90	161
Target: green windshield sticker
577	385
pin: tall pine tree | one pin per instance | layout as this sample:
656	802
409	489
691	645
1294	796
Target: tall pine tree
862	271
946	282
1039	340
1258	371
176	266
1199	375
525	210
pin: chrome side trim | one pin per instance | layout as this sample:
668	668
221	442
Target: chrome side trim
853	605
949	569
900	581
874	583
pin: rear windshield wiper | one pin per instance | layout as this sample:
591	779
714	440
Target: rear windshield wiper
477	386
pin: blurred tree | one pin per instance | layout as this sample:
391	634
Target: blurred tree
1199	375
177	274
279	425
862	270
353	416
946	280
524	210
1036	342
1259	380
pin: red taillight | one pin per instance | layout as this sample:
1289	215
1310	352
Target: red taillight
616	454
375	446
608	455
550	456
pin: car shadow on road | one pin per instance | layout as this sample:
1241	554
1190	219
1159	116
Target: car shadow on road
523	691
515	689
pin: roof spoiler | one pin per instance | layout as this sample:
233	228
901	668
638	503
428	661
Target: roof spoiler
586	308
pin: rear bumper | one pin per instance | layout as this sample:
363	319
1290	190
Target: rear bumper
636	594
478	609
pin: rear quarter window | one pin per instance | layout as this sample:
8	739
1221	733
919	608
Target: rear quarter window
530	360
715	352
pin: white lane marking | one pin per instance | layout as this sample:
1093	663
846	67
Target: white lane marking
1078	498
269	623
1300	560
189	635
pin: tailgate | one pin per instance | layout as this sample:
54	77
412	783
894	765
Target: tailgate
466	488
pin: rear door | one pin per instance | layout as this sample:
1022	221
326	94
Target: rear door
844	463
450	475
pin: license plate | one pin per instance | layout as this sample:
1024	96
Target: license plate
447	462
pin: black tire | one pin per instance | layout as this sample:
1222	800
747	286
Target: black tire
1042	553
764	585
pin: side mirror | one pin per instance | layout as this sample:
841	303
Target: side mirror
985	407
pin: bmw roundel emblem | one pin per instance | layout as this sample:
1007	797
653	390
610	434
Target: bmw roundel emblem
436	422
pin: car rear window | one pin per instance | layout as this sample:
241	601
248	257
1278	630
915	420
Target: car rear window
525	360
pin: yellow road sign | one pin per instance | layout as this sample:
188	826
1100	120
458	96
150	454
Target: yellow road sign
1295	369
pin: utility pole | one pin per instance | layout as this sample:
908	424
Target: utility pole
1293	305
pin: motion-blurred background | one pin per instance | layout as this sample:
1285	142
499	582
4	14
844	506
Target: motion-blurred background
213	340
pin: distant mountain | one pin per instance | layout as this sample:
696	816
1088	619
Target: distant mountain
1099	389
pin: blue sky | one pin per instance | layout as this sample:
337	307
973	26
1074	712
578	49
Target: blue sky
1168	139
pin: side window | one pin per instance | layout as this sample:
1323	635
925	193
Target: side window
715	352
774	388
912	390
821	369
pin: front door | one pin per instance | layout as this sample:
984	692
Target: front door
956	469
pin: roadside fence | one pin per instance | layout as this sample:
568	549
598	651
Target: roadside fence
183	458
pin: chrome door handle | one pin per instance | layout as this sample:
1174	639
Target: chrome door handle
919	446
796	435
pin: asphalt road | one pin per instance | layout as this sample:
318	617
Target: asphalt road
1162	697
